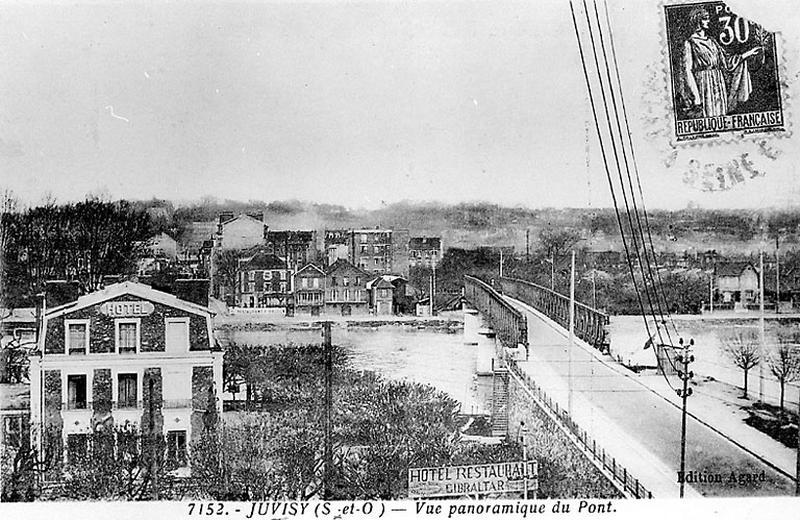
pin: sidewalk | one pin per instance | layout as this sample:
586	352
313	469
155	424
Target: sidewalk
609	399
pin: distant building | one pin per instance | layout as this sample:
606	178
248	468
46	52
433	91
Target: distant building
309	290
163	246
240	232
124	355
424	251
381	294
346	289
371	250
263	280
296	248
401	241
337	245
737	282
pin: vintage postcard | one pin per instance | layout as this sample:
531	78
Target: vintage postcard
383	259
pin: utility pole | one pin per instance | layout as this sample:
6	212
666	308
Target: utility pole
527	244
762	333
777	276
328	448
522	433
571	334
685	357
552	273
501	261
433	291
152	435
797	468
430	293
711	292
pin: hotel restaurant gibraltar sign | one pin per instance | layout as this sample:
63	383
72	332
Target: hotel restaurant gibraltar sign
480	479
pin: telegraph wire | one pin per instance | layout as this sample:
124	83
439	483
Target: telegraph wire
606	166
626	162
636	167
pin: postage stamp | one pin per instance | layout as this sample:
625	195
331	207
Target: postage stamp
723	73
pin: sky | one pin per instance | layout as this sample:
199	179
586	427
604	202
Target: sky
359	104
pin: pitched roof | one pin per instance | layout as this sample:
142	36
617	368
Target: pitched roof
343	263
263	260
134	289
733	268
195	233
379	283
310	267
241	216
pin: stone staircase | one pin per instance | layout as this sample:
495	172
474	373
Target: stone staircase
499	402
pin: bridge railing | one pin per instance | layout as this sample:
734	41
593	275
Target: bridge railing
620	474
509	324
590	324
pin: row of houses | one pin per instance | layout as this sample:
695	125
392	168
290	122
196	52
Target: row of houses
265	281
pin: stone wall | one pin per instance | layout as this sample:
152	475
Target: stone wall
564	470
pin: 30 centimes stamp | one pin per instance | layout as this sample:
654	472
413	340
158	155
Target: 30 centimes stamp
724	73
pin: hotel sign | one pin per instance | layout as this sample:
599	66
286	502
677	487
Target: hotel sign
502	477
122	309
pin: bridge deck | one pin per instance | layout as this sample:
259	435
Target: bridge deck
640	428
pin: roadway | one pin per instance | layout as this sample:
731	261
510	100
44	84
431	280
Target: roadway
639	427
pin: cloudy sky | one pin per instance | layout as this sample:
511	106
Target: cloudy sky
340	102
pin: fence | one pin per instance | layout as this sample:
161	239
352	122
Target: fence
509	323
619	473
590	324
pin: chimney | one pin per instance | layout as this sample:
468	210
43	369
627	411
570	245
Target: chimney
225	216
59	292
193	290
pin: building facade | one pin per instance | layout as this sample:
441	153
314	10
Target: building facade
263	280
309	290
381	296
126	356
424	251
371	250
346	289
296	248
240	232
737	282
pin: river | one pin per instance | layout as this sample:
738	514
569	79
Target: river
431	356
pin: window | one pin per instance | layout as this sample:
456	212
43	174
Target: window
363	249
267	275
13	431
251	275
347	294
77	336
358	280
345	281
304	283
333	280
315	283
363	237
126	391
251	287
77	446
377	260
127	336
176	447
384	293
76	392
283	287
334	294
283	275
177	335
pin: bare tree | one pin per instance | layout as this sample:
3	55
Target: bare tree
784	362
743	349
